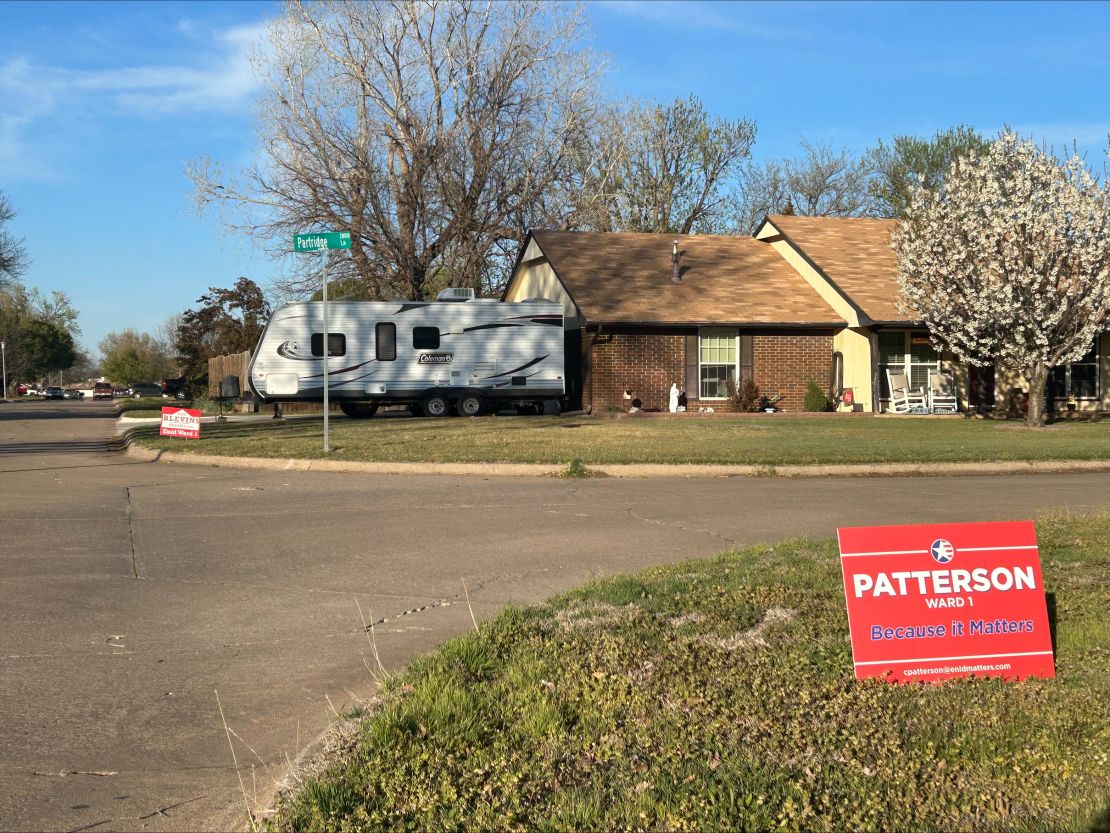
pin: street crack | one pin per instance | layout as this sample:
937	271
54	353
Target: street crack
410	612
679	525
131	533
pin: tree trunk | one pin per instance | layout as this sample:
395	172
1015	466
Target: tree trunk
1038	377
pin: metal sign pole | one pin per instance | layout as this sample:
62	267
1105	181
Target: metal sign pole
4	353
327	350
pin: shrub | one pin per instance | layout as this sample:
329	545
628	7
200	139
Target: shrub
746	396
815	399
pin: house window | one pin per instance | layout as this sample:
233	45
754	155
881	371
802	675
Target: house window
385	341
906	352
717	360
1078	378
425	338
337	344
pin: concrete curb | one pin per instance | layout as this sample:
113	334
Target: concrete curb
639	470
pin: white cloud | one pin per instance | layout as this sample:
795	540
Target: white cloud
218	79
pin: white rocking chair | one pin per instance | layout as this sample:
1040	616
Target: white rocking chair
942	394
903	399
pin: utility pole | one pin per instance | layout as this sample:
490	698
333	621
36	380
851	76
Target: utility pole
4	358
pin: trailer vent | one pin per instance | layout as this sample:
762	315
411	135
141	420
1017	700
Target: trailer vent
456	293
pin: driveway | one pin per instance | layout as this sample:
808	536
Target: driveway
133	593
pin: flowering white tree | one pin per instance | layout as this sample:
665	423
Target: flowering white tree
1008	263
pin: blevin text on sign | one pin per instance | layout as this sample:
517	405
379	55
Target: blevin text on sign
180	422
935	601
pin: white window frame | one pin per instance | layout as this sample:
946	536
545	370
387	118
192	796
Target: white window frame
716	332
1064	394
907	360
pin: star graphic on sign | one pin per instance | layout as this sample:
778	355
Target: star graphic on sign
942	551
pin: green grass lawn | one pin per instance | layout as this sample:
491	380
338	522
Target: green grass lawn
770	441
148	407
719	695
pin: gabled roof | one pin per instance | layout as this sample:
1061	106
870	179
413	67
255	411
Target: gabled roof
626	278
854	254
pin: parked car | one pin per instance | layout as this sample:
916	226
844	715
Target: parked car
102	390
22	390
141	389
54	392
73	393
174	388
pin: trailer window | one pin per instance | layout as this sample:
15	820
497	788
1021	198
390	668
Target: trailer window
425	338
385	341
337	344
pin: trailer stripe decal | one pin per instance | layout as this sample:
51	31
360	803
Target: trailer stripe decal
341	370
515	369
526	376
348	381
490	326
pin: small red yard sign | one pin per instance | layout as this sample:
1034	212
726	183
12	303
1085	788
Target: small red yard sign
180	422
936	601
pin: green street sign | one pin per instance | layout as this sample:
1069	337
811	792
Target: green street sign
320	242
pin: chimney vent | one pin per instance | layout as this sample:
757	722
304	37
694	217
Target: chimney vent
676	257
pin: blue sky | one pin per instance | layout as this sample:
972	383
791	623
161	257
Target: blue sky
102	105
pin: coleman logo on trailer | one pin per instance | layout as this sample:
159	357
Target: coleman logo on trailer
435	358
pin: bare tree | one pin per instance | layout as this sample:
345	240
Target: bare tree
823	183
430	130
166	334
13	254
676	171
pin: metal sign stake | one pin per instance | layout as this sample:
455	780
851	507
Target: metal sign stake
327	350
323	242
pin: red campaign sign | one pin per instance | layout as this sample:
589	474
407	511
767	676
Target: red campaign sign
936	601
180	422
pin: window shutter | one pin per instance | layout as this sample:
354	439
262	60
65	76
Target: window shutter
692	383
746	368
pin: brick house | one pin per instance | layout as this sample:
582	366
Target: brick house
735	309
804	299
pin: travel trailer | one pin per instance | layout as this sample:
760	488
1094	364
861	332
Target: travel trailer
453	355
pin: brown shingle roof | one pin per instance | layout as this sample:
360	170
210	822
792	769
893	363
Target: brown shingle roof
855	254
626	277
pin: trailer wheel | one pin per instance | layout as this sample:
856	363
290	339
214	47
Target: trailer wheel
436	405
359	410
471	405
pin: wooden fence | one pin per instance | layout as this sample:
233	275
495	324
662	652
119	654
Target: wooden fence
234	364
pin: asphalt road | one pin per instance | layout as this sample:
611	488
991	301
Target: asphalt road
131	593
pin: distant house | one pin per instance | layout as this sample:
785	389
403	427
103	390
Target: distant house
804	299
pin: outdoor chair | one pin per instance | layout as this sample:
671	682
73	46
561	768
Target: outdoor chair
942	394
903	399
